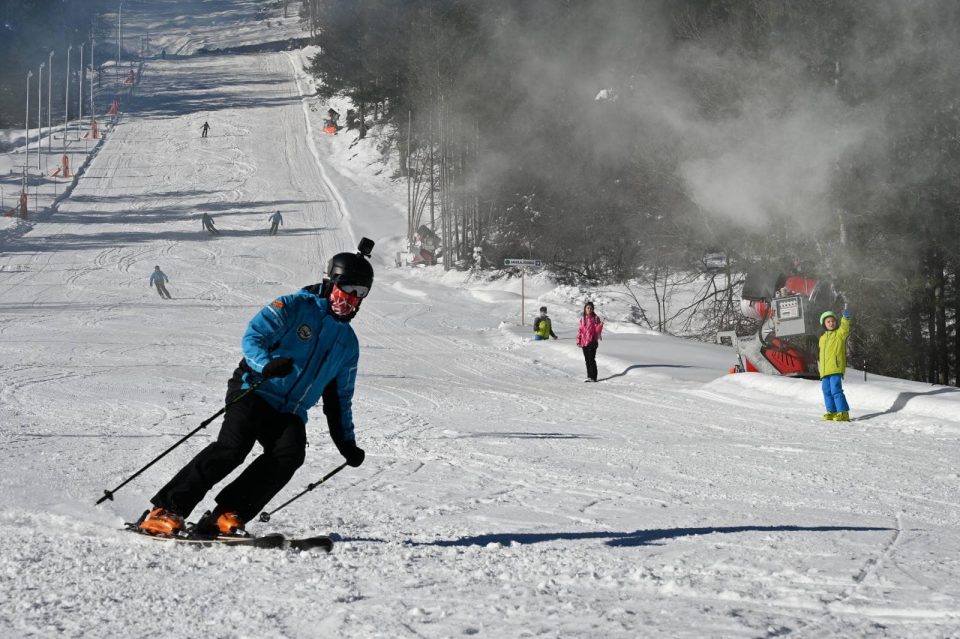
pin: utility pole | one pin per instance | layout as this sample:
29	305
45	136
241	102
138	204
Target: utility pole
40	113
119	35
49	101
26	124
66	101
80	103
93	66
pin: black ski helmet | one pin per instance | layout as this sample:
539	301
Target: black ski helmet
352	268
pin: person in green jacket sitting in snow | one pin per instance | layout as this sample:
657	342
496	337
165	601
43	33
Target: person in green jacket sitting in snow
833	364
542	327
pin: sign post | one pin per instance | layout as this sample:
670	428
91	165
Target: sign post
523	271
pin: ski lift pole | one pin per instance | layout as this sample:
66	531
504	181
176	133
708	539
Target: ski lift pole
265	516
108	494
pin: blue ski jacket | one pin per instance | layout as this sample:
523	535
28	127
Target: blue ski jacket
324	351
158	277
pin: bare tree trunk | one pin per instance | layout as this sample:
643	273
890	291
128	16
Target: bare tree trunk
956	326
362	109
433	218
931	345
916	339
405	170
943	350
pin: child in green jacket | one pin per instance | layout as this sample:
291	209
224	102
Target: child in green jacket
833	364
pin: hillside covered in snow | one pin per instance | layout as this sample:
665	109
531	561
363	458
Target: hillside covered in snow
500	497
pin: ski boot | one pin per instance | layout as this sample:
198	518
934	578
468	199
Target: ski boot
828	417
221	522
161	521
841	417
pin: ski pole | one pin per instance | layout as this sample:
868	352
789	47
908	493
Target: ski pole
108	494
265	516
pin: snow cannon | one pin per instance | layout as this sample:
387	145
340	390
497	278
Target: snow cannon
787	308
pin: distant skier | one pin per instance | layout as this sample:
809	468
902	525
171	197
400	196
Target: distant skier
158	278
542	327
588	338
275	220
296	350
204	129
207	221
833	364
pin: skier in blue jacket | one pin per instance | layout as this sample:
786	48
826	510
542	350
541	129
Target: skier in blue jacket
159	279
297	350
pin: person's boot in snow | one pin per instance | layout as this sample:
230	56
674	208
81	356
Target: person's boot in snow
161	521
841	417
220	522
829	417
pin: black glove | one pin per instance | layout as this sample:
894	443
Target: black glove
352	453
279	367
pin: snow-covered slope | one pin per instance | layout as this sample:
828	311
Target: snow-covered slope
500	497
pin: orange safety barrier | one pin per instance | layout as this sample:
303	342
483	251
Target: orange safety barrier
93	133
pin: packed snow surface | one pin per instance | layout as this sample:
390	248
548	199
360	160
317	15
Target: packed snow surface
501	496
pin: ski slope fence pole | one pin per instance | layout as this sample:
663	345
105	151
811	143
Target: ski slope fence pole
265	516
108	494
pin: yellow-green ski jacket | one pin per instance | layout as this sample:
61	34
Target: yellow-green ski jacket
833	349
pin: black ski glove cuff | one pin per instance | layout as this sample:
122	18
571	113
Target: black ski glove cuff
279	367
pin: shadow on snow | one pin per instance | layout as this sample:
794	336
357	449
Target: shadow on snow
635	366
635	538
901	401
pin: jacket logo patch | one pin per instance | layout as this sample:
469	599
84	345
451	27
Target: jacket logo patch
304	332
278	304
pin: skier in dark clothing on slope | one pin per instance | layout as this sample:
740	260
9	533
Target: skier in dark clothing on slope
298	349
275	220
207	220
204	129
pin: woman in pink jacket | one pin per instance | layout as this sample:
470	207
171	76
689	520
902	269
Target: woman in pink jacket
588	338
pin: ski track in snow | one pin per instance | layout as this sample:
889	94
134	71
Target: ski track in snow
501	496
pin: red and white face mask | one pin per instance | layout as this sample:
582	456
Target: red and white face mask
345	299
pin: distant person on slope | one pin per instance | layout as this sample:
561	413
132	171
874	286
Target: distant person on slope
158	278
833	364
296	350
275	220
204	129
542	327
207	221
588	338
333	117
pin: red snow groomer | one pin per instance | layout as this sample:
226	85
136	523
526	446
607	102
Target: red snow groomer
788	308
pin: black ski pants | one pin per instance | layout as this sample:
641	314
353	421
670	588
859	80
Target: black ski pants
590	357
250	420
